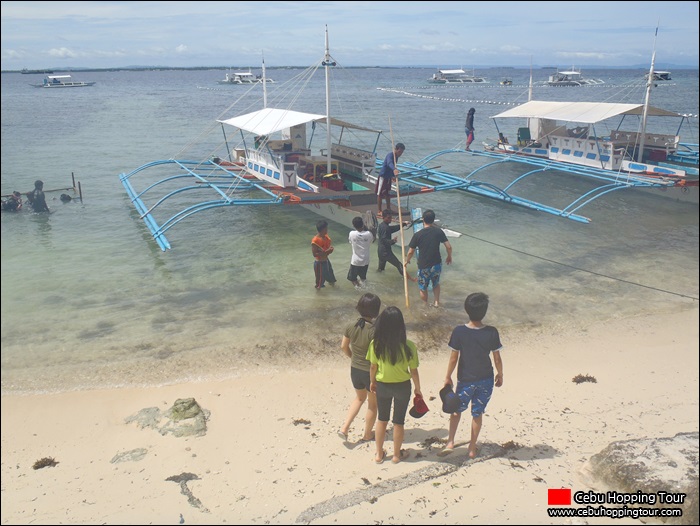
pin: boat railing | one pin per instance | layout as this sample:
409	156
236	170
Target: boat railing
354	159
652	141
588	151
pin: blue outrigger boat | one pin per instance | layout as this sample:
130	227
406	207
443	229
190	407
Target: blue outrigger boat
272	164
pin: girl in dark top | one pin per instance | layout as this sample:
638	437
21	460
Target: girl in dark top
355	342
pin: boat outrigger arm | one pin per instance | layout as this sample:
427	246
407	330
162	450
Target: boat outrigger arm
228	184
430	179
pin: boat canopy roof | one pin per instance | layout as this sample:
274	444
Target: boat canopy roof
58	76
584	112
451	71
271	120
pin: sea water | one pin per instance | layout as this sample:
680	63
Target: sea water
89	300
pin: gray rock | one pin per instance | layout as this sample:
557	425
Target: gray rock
652	465
184	418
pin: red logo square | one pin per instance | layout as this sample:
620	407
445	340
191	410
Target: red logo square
559	497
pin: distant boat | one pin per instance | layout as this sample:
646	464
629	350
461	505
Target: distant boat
660	75
506	82
243	77
61	81
571	78
454	76
26	71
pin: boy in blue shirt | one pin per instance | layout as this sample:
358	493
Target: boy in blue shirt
471	345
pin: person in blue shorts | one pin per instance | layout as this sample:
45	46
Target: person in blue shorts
427	241
471	345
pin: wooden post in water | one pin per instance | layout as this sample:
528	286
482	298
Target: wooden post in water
398	201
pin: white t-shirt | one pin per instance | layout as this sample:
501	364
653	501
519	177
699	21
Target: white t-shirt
360	242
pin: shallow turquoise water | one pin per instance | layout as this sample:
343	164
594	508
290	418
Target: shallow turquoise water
89	300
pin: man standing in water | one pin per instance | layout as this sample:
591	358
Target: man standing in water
37	198
385	241
469	127
427	242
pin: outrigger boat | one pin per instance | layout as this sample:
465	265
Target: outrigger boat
272	164
62	81
659	75
571	78
571	137
454	76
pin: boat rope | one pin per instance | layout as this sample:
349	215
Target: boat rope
579	269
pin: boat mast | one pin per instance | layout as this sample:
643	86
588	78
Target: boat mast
327	63
647	97
264	82
529	90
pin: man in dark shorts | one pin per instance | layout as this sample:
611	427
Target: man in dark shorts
427	242
387	174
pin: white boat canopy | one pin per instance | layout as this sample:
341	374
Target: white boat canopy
583	112
451	71
271	120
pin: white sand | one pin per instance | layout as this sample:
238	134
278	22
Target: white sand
256	466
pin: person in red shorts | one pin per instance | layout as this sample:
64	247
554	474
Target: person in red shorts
387	175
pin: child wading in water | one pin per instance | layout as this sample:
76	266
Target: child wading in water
321	248
355	343
472	344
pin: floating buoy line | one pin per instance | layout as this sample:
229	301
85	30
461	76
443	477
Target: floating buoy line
402	91
409	94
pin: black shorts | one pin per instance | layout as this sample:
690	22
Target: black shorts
399	394
360	378
357	272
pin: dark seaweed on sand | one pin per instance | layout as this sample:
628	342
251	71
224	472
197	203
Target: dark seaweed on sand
45	462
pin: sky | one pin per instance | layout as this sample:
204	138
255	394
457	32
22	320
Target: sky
61	35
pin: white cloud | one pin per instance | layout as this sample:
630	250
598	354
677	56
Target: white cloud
62	52
361	33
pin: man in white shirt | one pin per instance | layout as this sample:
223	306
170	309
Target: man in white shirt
360	239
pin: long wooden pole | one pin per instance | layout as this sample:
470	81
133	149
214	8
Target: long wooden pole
398	202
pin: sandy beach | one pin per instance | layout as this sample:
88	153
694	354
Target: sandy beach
271	453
